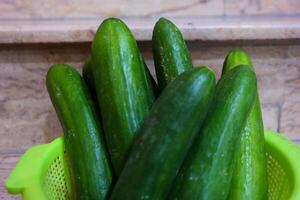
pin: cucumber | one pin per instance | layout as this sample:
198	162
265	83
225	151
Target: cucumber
235	58
123	85
155	88
170	53
87	75
166	136
90	168
207	170
250	176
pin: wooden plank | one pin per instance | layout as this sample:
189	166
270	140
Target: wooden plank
193	28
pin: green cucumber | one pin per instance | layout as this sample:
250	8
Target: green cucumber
250	176
123	85
90	168
155	88
170	53
207	170
166	136
87	75
235	58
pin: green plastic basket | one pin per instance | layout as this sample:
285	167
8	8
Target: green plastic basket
42	172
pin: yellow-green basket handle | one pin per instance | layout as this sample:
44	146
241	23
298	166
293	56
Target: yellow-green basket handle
26	176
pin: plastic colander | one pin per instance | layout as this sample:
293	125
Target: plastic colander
42	172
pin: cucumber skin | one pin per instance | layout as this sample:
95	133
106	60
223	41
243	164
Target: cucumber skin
166	136
123	85
170	53
87	75
90	168
155	88
235	58
207	170
250	177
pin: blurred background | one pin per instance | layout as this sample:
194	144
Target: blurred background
35	34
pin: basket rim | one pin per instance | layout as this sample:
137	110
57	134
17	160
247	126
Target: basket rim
287	153
21	181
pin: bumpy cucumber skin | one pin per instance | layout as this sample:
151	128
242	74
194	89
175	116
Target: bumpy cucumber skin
166	136
90	168
250	175
170	53
123	85
207	170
